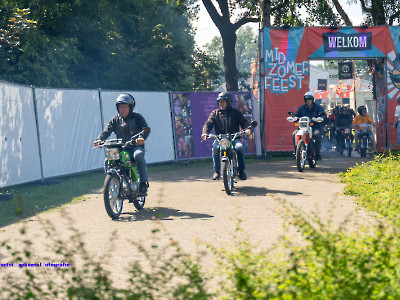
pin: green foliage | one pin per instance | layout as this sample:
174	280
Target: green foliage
376	184
140	45
332	263
162	272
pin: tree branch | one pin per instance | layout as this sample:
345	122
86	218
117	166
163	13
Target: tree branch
212	11
245	20
364	7
342	13
394	16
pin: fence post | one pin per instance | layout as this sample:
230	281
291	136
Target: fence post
101	109
37	131
173	125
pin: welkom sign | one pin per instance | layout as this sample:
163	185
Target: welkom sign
286	55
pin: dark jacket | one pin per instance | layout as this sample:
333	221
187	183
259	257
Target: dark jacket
315	111
225	121
124	128
342	121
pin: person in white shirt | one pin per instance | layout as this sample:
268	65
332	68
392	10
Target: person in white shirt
396	121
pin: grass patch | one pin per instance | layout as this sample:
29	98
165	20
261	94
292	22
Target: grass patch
376	184
34	198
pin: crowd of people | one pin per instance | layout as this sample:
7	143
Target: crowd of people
345	117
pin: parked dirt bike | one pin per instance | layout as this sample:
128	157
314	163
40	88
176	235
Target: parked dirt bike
345	140
363	140
122	180
305	143
228	156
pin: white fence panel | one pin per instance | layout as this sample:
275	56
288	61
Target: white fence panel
18	139
69	121
154	107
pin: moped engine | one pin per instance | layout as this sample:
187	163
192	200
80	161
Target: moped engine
133	186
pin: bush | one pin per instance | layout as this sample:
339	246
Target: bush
376	184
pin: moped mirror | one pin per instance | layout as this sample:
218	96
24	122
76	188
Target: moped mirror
253	124
290	113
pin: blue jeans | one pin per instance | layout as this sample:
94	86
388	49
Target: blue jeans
237	145
138	156
398	135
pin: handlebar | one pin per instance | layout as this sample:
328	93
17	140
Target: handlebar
233	136
129	143
295	119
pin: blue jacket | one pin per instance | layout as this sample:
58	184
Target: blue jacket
315	111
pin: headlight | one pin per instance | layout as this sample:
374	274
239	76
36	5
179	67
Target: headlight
224	144
346	130
112	154
303	124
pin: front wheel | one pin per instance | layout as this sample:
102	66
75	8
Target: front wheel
301	155
364	147
227	176
112	200
349	147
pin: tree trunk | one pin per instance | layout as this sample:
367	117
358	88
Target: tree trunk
265	6
229	41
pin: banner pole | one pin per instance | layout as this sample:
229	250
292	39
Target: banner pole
37	131
262	89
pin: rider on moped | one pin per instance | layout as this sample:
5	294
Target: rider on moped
225	120
342	121
312	110
358	122
125	125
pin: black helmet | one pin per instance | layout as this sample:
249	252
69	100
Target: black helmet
125	98
227	97
308	95
361	108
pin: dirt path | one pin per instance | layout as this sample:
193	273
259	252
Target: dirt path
191	207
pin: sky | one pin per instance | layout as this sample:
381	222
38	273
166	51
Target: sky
206	29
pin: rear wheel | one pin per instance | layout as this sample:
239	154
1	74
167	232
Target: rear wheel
301	155
364	146
312	159
112	202
227	176
139	202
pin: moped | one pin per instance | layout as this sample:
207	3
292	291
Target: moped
228	156
122	180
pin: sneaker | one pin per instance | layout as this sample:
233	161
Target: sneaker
242	175
216	175
318	156
143	188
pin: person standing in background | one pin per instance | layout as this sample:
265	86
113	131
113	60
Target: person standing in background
396	121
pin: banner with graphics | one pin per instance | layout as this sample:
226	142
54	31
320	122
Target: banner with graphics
190	112
286	63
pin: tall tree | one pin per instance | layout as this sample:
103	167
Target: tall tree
246	51
227	28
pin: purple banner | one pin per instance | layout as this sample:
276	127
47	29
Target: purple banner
191	111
